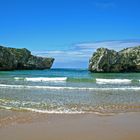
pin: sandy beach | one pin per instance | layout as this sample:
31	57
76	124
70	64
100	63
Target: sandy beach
70	70
34	126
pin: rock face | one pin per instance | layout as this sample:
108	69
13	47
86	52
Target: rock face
105	60
22	59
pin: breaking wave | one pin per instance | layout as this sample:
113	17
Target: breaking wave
67	88
113	81
42	79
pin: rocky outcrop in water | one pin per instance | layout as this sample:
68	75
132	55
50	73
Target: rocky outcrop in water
105	60
22	59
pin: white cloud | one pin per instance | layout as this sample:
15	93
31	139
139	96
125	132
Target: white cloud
117	45
79	54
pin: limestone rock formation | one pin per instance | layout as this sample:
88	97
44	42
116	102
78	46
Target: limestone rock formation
105	60
22	59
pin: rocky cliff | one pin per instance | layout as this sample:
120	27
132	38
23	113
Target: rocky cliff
22	59
105	60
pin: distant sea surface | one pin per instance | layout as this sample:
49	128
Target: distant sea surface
69	91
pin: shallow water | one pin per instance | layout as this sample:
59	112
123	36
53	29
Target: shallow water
69	91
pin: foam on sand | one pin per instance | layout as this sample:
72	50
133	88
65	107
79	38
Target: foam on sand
56	111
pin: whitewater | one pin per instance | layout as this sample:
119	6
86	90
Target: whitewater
69	91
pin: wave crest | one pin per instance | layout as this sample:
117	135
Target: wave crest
66	88
42	79
113	81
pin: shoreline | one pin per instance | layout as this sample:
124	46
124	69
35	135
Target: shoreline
34	126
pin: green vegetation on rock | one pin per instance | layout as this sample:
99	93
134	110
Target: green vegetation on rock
105	60
21	59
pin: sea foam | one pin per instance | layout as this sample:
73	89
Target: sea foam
66	88
42	79
55	111
113	81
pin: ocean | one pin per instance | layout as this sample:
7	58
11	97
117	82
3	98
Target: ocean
69	91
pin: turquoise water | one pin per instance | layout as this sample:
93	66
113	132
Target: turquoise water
69	91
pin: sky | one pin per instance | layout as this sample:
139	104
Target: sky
69	30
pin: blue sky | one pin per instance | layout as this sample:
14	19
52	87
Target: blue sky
69	30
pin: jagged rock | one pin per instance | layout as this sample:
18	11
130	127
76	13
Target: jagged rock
105	60
39	63
21	59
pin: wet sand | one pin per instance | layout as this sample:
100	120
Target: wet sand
33	126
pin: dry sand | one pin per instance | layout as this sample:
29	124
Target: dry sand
32	126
